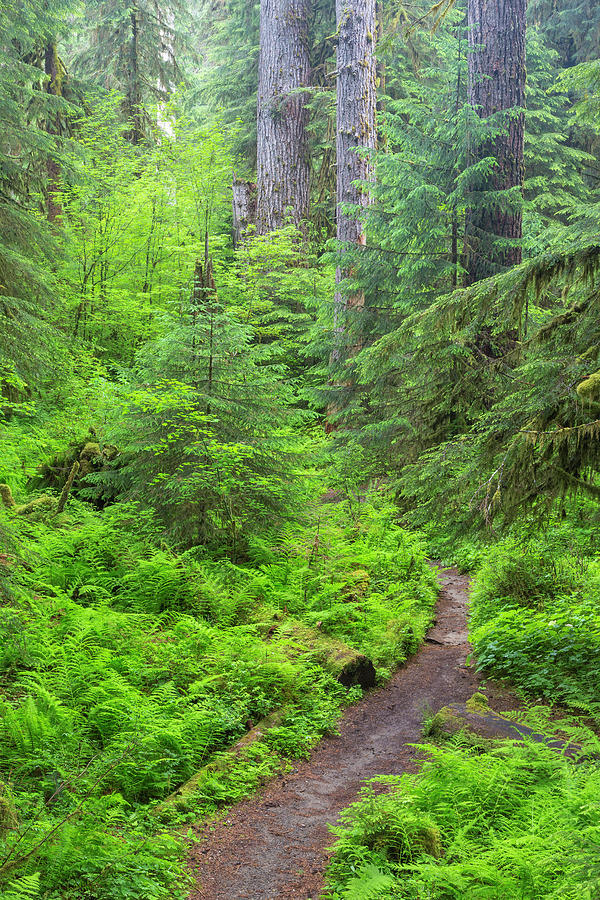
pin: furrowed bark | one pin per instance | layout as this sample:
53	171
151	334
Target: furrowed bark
356	105
244	209
282	117
497	82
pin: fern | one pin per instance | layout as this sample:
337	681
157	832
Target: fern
369	884
27	887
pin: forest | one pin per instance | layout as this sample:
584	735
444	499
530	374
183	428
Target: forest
299	449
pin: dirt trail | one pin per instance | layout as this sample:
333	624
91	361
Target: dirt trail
274	846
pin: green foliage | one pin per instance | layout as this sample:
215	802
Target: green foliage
138	51
26	888
512	821
535	619
203	576
468	399
135	225
228	81
573	27
214	458
30	306
126	668
373	589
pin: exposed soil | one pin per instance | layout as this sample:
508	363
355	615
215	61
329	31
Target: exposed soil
274	846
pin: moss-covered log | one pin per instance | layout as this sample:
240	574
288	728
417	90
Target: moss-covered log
67	488
180	799
347	665
37	507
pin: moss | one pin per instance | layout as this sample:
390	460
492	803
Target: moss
345	663
35	508
67	488
90	451
589	390
449	724
39	507
7	497
8	816
446	723
478	703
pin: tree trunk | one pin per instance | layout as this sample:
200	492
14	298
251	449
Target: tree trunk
497	82
356	131
381	74
244	209
52	69
282	117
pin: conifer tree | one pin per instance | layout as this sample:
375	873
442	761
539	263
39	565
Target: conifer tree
571	26
282	150
54	74
30	84
497	86
356	132
134	49
226	84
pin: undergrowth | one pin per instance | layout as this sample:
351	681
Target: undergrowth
535	616
489	819
504	822
127	667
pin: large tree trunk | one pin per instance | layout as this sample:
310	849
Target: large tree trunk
497	82
356	105
284	69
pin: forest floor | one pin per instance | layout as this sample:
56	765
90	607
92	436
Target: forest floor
274	846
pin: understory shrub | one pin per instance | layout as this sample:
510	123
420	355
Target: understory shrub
514	821
535	620
126	667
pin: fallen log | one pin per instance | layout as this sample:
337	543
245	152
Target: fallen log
347	665
179	798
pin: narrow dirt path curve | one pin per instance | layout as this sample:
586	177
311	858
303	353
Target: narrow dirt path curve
274	846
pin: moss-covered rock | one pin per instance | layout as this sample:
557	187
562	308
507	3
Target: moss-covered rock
478	702
477	719
445	723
